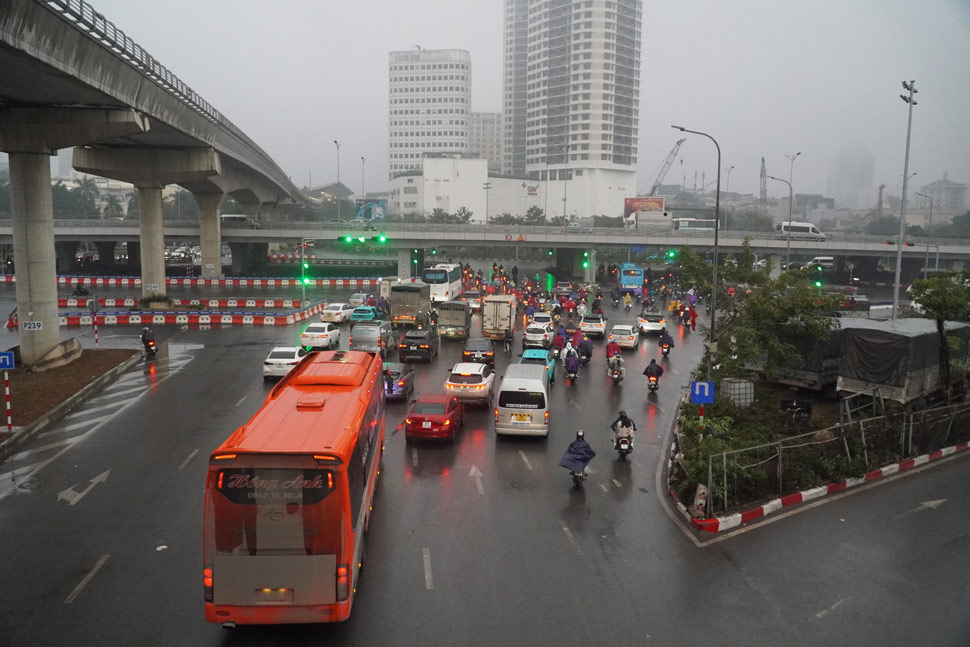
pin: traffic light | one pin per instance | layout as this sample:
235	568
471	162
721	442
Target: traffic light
672	254
379	239
433	251
346	238
818	283
305	278
585	259
551	251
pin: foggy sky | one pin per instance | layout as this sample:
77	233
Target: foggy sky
764	77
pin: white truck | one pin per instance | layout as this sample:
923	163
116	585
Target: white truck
498	315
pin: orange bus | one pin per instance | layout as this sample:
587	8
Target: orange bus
288	496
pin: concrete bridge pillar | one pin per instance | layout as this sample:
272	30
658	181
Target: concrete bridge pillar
589	272
106	252
241	257
152	241
404	262
257	257
33	249
65	252
210	233
134	254
30	136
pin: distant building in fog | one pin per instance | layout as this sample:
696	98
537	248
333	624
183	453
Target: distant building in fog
850	180
947	196
429	101
485	138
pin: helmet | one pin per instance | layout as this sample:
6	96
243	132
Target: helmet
145	329
622	413
579	433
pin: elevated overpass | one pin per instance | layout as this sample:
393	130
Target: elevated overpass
71	78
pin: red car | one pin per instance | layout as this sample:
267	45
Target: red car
434	416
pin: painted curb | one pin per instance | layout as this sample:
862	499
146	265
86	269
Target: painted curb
727	522
22	434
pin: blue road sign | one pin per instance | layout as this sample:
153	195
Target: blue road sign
6	361
636	248
702	392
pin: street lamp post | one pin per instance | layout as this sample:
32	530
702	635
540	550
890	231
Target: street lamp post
565	176
362	196
788	243
911	88
545	191
929	226
337	144
486	186
717	227
727	184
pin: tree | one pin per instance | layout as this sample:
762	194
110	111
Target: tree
885	226
438	216
608	221
463	215
133	211
776	320
181	206
960	226
944	297
505	219
87	193
535	216
112	208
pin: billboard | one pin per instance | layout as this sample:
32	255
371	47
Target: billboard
634	205
369	210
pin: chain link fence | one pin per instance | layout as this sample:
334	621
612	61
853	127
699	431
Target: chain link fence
743	477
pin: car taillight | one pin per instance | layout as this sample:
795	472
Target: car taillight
343	582
407	420
545	417
207	583
426	346
630	337
400	383
446	422
489	353
653	378
496	414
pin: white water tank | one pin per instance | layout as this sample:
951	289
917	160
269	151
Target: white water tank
740	392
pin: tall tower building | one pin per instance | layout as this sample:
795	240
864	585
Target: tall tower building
572	87
429	104
485	138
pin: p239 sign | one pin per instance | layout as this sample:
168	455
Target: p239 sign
33	325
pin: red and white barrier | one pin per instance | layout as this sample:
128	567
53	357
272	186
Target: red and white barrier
195	281
168	318
727	522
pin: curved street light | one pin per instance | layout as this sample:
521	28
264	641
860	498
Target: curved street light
717	227
911	88
788	243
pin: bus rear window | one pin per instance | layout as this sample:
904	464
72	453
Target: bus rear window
522	400
276	511
435	277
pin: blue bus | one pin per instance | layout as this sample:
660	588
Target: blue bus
631	279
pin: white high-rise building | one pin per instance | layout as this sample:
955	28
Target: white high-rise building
429	105
485	138
571	99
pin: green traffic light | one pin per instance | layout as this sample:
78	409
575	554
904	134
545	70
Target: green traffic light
550	252
382	238
585	254
306	265
306	281
347	239
585	264
818	284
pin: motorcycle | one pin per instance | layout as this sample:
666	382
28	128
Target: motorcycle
623	447
616	301
628	306
653	383
151	350
80	291
576	458
685	318
616	375
556	350
665	349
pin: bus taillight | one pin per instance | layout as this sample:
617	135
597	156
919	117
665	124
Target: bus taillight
207	583
343	582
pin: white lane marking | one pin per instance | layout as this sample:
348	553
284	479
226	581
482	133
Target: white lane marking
89	410
72	427
569	537
525	459
189	457
575	404
477	474
428	582
87	578
67	442
113	394
617	483
73	497
241	400
414	456
603	485
825	612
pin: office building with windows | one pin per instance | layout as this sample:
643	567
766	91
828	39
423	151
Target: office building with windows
571	100
485	138
429	95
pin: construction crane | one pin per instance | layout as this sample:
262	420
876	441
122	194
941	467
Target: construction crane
666	166
764	188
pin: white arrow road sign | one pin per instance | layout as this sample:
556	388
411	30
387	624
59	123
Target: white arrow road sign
477	475
73	497
925	505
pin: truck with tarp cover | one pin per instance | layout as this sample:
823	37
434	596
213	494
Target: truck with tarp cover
900	358
410	303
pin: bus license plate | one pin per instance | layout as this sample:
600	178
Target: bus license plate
426	424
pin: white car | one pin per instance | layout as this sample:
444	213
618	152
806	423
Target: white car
471	382
593	325
336	312
651	321
625	336
280	360
359	298
537	336
320	335
473	298
542	318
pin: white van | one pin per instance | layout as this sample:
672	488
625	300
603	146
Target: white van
825	262
523	401
801	230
